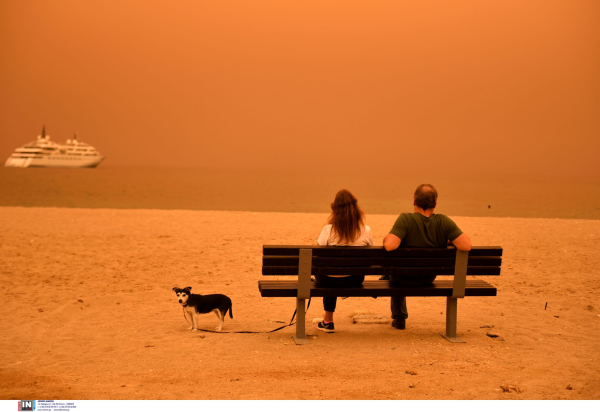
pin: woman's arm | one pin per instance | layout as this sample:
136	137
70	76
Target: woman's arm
324	237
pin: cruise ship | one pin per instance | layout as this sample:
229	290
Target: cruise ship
45	153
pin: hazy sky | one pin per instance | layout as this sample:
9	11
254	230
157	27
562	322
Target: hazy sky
384	86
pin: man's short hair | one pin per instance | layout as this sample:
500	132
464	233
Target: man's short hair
426	196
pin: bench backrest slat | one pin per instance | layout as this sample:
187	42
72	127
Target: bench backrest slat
379	271
380	261
377	251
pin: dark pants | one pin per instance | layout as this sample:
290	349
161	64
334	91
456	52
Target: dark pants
398	303
329	302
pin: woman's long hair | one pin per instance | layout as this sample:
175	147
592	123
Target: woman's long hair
347	219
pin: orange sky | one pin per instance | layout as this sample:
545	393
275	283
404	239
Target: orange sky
384	86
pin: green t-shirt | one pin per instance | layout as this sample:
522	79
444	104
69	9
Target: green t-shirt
416	230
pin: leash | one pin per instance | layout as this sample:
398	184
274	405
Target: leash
245	331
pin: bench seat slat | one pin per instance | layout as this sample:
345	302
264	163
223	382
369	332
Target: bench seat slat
289	288
379	271
380	261
377	251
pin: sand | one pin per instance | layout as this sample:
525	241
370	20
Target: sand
88	313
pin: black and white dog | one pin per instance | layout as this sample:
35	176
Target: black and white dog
194	304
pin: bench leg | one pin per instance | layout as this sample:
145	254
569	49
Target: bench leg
451	311
300	337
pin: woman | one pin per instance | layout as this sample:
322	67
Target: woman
345	227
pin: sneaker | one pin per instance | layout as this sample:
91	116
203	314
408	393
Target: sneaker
326	327
399	324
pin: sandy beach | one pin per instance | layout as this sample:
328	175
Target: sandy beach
88	313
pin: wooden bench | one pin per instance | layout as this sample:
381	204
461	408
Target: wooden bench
304	261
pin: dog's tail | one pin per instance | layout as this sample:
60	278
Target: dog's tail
230	311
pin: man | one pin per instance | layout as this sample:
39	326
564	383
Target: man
426	229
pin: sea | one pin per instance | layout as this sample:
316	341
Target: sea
298	191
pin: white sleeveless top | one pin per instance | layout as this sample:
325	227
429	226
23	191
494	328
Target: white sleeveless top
331	239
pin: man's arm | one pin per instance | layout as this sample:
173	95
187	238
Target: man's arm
463	242
391	242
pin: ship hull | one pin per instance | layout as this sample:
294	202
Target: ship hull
92	161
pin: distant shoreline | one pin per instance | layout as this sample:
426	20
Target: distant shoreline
275	212
294	192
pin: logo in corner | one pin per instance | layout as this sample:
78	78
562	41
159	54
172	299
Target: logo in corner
27	405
